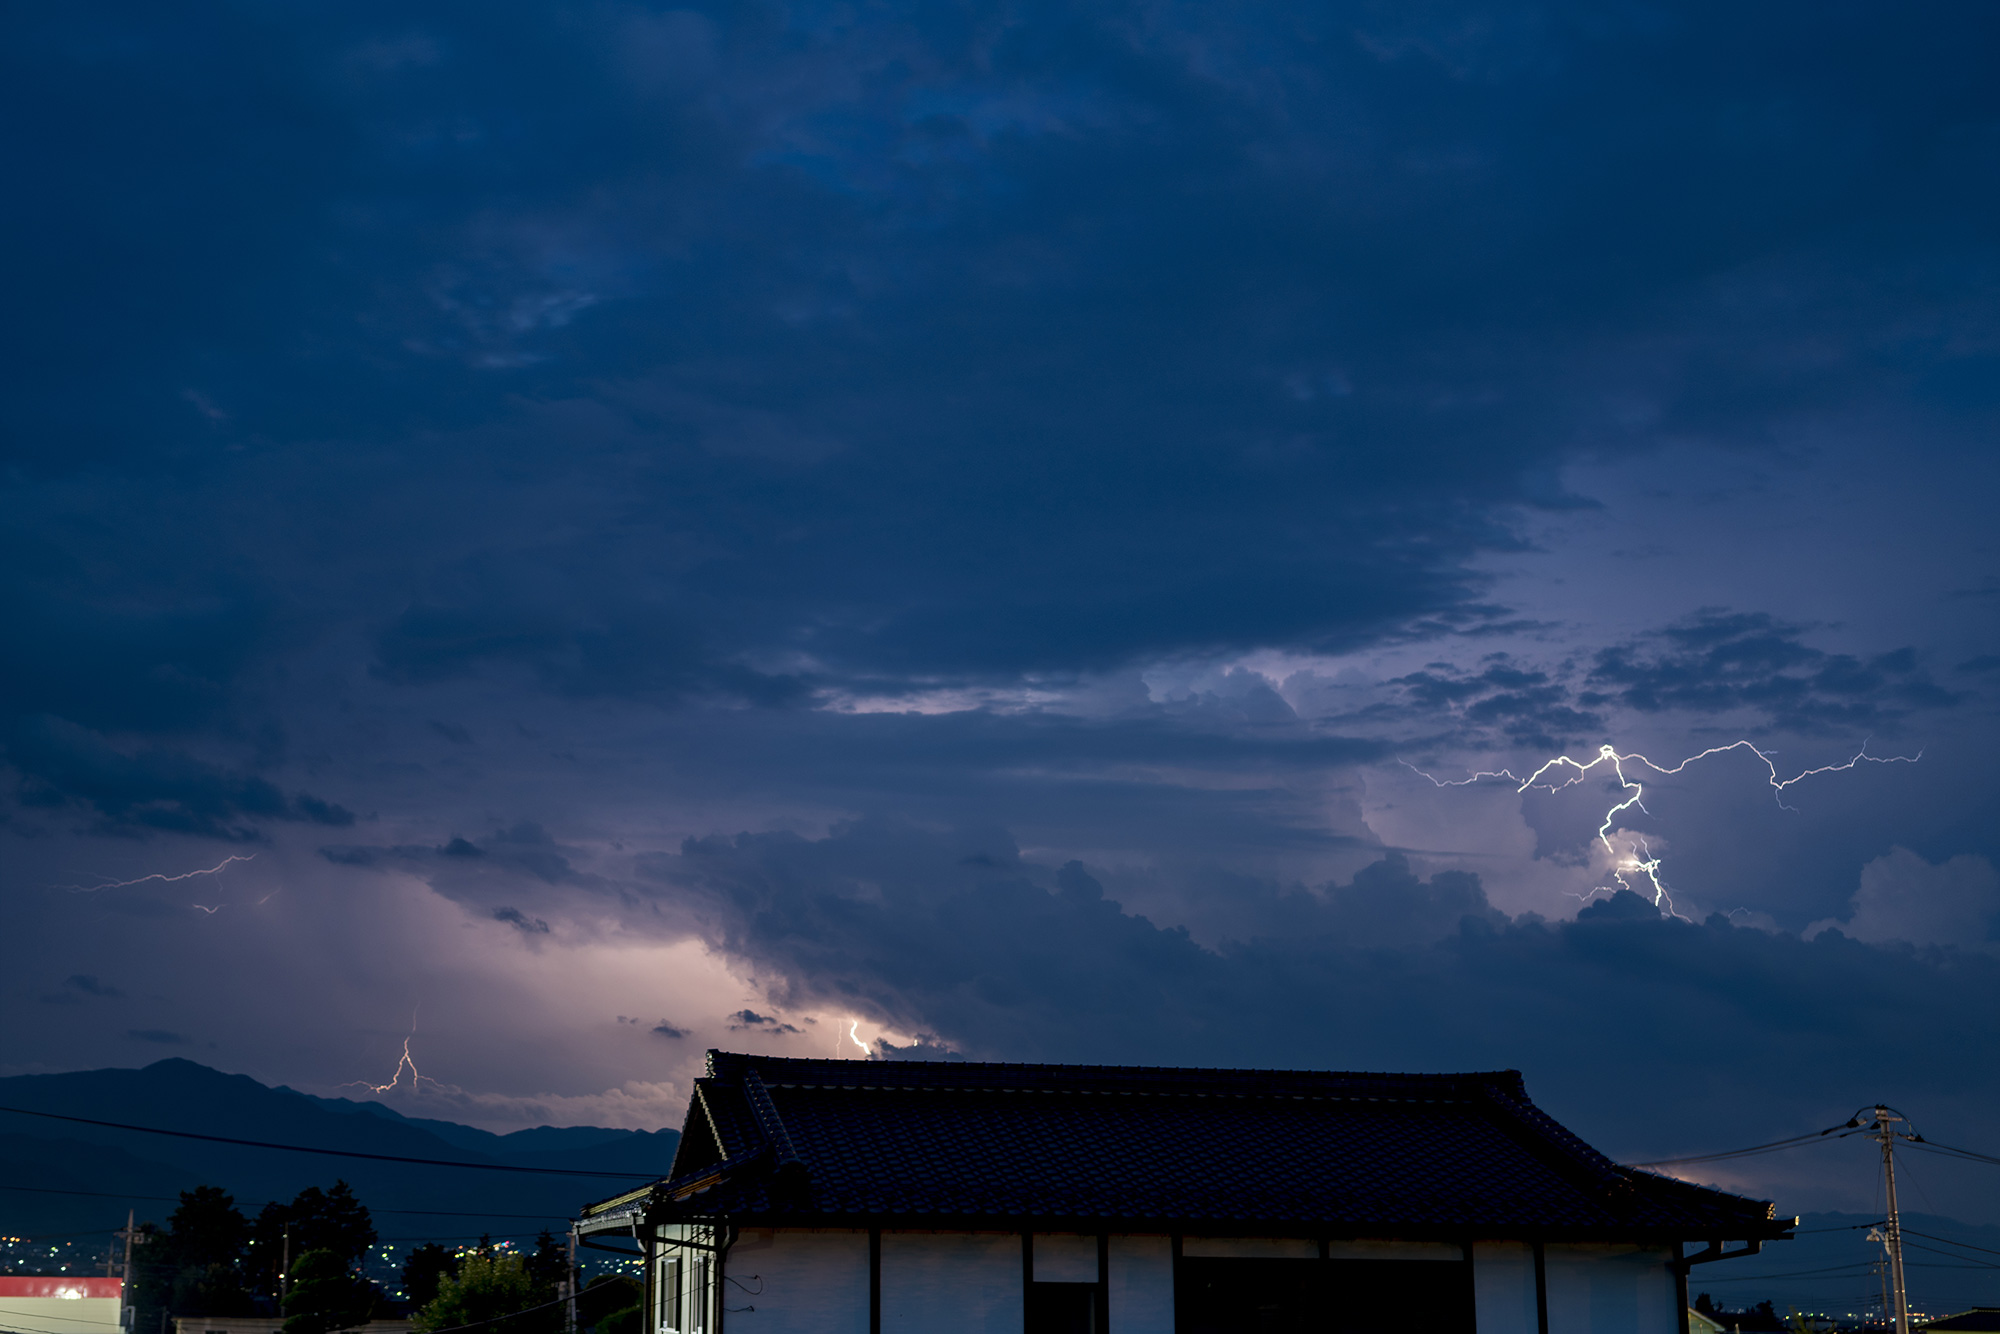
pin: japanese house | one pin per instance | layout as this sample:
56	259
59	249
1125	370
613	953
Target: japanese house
890	1197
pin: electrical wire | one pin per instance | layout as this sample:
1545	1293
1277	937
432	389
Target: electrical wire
252	1204
1796	1273
1984	1250
478	1324
1775	1146
1950	1255
66	1319
334	1153
1849	1227
1949	1151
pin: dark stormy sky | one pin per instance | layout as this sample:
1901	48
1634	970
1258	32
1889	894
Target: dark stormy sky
827	526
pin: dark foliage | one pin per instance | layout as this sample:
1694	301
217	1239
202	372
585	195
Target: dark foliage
324	1295
317	1220
426	1267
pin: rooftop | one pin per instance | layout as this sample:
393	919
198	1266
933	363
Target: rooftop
992	1144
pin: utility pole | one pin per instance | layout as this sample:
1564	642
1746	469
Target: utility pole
125	1272
1886	1119
285	1268
569	1286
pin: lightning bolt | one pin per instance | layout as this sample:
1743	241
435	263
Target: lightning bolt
853	1024
408	1062
210	911
160	876
1642	862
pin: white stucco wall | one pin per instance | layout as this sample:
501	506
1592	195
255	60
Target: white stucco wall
1140	1272
798	1282
816	1281
965	1282
1592	1289
1601	1289
1503	1287
57	1315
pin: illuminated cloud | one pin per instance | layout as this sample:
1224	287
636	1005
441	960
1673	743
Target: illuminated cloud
1903	897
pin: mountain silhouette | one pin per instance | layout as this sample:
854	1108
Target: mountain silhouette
60	1177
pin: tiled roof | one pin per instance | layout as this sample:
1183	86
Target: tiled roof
1979	1318
771	1138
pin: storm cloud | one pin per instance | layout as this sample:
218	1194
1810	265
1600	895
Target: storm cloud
1011	532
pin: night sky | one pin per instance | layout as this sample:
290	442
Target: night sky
955	528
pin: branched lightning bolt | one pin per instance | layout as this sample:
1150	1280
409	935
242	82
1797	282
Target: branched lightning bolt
408	1062
160	876
1643	862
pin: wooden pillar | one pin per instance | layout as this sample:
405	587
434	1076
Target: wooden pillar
1103	1283
874	1280
1541	1289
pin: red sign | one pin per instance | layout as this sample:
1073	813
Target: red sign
35	1285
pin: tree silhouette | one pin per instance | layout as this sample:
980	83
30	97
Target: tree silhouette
423	1269
324	1295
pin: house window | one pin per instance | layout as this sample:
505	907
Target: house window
698	1299
1062	1308
669	1304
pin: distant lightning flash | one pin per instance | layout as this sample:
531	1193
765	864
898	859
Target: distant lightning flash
408	1062
160	876
1642	861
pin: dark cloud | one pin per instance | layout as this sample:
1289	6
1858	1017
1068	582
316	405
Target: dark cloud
79	985
1623	906
1045	346
1719	661
1623	1013
1713	662
151	788
522	854
1502	700
744	1021
667	1030
527	926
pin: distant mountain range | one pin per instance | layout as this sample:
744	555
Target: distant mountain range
59	1177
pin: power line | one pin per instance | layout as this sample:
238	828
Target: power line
251	1204
1912	1232
334	1153
1773	1147
1796	1273
477	1324
66	1319
1952	1255
1863	1269
1853	1227
1948	1151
